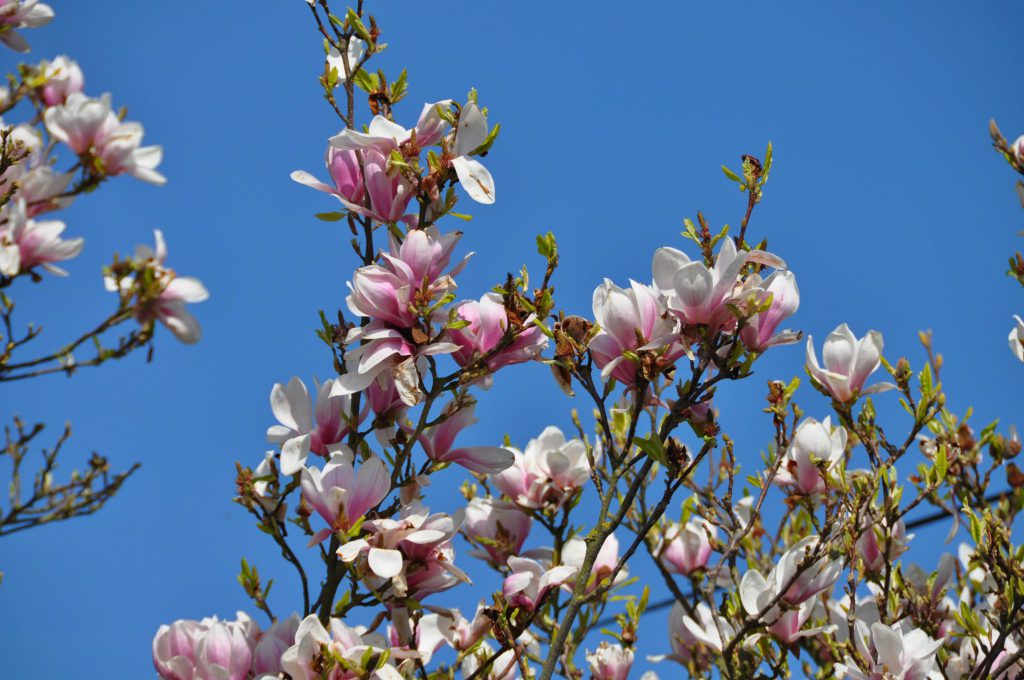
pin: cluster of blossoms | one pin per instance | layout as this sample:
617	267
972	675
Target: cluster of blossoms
644	330
104	146
410	362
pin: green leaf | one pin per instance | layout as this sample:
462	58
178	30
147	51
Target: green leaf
330	216
732	175
653	447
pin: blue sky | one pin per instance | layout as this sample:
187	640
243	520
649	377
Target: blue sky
885	200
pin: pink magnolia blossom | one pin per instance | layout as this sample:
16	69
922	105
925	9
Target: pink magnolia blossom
346	176
462	633
63	78
686	548
414	552
698	294
760	597
549	471
488	322
439	444
610	662
575	549
1016	339
425	638
411	272
759	332
1018	149
695	641
530	582
412	269
27	243
376	350
205	650
341	495
309	658
33	179
900	652
93	130
877	545
385	135
174	649
169	307
21	14
631	321
224	653
266	657
819	576
303	426
499	526
848	363
814	451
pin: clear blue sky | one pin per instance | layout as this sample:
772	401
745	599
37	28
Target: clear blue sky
885	200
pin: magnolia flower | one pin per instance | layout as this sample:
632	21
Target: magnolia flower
266	657
169	306
548	473
487	324
94	131
205	650
375	350
470	134
696	641
499	527
33	178
760	598
898	652
224	653
355	52
342	496
416	643
463	633
610	662
698	294
347	176
811	580
438	442
529	583
27	243
385	135
759	332
412	271
63	79
631	321
1018	149
865	609
848	363
878	545
312	656
296	432
575	549
815	449
414	552
21	14
686	548
1017	339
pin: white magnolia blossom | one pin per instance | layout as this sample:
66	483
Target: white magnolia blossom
897	652
356	51
470	134
1017	339
21	14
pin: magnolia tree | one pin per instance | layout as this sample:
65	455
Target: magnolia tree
56	118
827	591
